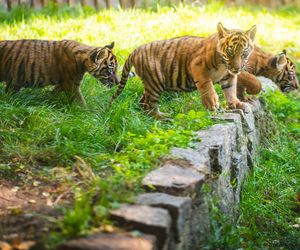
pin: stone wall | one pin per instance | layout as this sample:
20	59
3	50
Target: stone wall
173	213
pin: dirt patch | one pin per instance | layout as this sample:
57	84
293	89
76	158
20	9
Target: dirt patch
30	202
28	211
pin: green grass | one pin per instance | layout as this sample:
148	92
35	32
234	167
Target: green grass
39	131
270	207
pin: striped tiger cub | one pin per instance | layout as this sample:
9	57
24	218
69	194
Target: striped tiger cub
279	68
188	63
37	63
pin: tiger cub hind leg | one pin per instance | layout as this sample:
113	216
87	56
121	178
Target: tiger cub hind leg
12	88
57	89
73	91
76	95
149	104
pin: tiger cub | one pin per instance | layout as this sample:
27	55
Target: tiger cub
280	69
37	63
188	63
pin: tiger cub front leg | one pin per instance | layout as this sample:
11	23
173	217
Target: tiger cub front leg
205	86
229	88
209	97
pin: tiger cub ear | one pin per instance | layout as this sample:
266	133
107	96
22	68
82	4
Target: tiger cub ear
279	62
222	32
110	46
94	54
97	55
251	32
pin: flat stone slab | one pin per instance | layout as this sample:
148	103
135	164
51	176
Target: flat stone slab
175	180
197	160
114	241
179	208
150	220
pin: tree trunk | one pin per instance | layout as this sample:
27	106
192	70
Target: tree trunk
121	3
107	3
96	4
83	2
8	2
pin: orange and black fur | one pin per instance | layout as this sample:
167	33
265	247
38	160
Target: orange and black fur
37	63
280	69
189	63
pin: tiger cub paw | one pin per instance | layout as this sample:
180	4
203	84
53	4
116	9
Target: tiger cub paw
211	101
237	105
249	99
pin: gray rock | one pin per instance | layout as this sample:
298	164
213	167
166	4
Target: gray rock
114	241
178	207
237	120
256	106
267	84
248	122
174	179
150	220
199	223
197	160
218	139
221	140
239	170
252	134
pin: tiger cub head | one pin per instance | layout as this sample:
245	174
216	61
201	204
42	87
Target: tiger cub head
235	47
283	72
103	65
